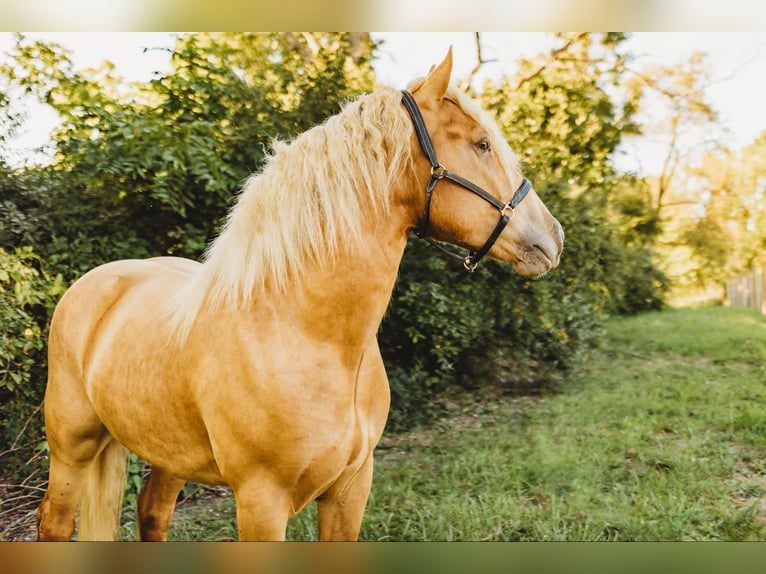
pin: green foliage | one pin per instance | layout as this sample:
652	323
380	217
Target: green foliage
156	166
27	297
23	292
72	236
151	169
9	120
728	234
436	322
136	478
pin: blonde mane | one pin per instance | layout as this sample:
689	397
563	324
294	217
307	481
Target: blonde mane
306	205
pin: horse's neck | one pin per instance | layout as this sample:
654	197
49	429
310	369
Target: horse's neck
348	297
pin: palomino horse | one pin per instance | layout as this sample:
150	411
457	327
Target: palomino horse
260	368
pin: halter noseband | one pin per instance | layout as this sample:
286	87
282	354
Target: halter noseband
439	172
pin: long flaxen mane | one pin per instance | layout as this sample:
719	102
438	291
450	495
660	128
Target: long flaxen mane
307	204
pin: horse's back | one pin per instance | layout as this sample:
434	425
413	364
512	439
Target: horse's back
126	272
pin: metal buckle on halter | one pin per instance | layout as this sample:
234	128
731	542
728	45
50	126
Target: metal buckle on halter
469	266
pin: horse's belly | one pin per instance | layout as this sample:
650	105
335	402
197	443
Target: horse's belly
156	425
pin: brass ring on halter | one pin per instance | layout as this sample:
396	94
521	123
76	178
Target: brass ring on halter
505	209
438	171
469	265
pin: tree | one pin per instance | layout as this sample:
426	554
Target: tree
567	115
680	91
682	127
725	233
705	200
158	165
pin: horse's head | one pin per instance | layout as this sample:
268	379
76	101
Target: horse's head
479	199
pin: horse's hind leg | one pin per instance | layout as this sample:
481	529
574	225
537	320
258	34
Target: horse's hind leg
156	505
55	515
72	452
75	437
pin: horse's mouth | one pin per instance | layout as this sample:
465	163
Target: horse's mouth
536	262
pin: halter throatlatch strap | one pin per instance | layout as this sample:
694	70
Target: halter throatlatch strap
439	172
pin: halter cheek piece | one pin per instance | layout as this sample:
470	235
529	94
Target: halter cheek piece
439	172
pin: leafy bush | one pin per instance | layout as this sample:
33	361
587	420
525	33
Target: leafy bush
448	330
27	296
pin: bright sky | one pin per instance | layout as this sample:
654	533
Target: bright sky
738	62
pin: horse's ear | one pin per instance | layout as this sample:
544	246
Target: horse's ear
437	82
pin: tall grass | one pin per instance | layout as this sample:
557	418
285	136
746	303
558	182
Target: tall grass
662	437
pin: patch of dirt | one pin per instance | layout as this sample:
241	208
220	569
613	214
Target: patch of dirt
17	512
18	505
201	497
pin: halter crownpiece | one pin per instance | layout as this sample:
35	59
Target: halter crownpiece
439	172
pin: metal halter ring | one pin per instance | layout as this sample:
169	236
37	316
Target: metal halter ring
469	266
438	171
505	209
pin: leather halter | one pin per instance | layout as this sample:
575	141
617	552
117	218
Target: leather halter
439	172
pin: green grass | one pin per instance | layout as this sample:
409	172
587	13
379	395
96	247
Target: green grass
662	437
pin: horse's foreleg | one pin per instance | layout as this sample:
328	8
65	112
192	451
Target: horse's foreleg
341	511
156	505
263	510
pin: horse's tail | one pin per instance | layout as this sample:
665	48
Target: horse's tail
101	505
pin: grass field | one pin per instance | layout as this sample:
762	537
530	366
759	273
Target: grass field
662	437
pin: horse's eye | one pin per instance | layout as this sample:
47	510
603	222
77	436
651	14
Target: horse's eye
484	146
